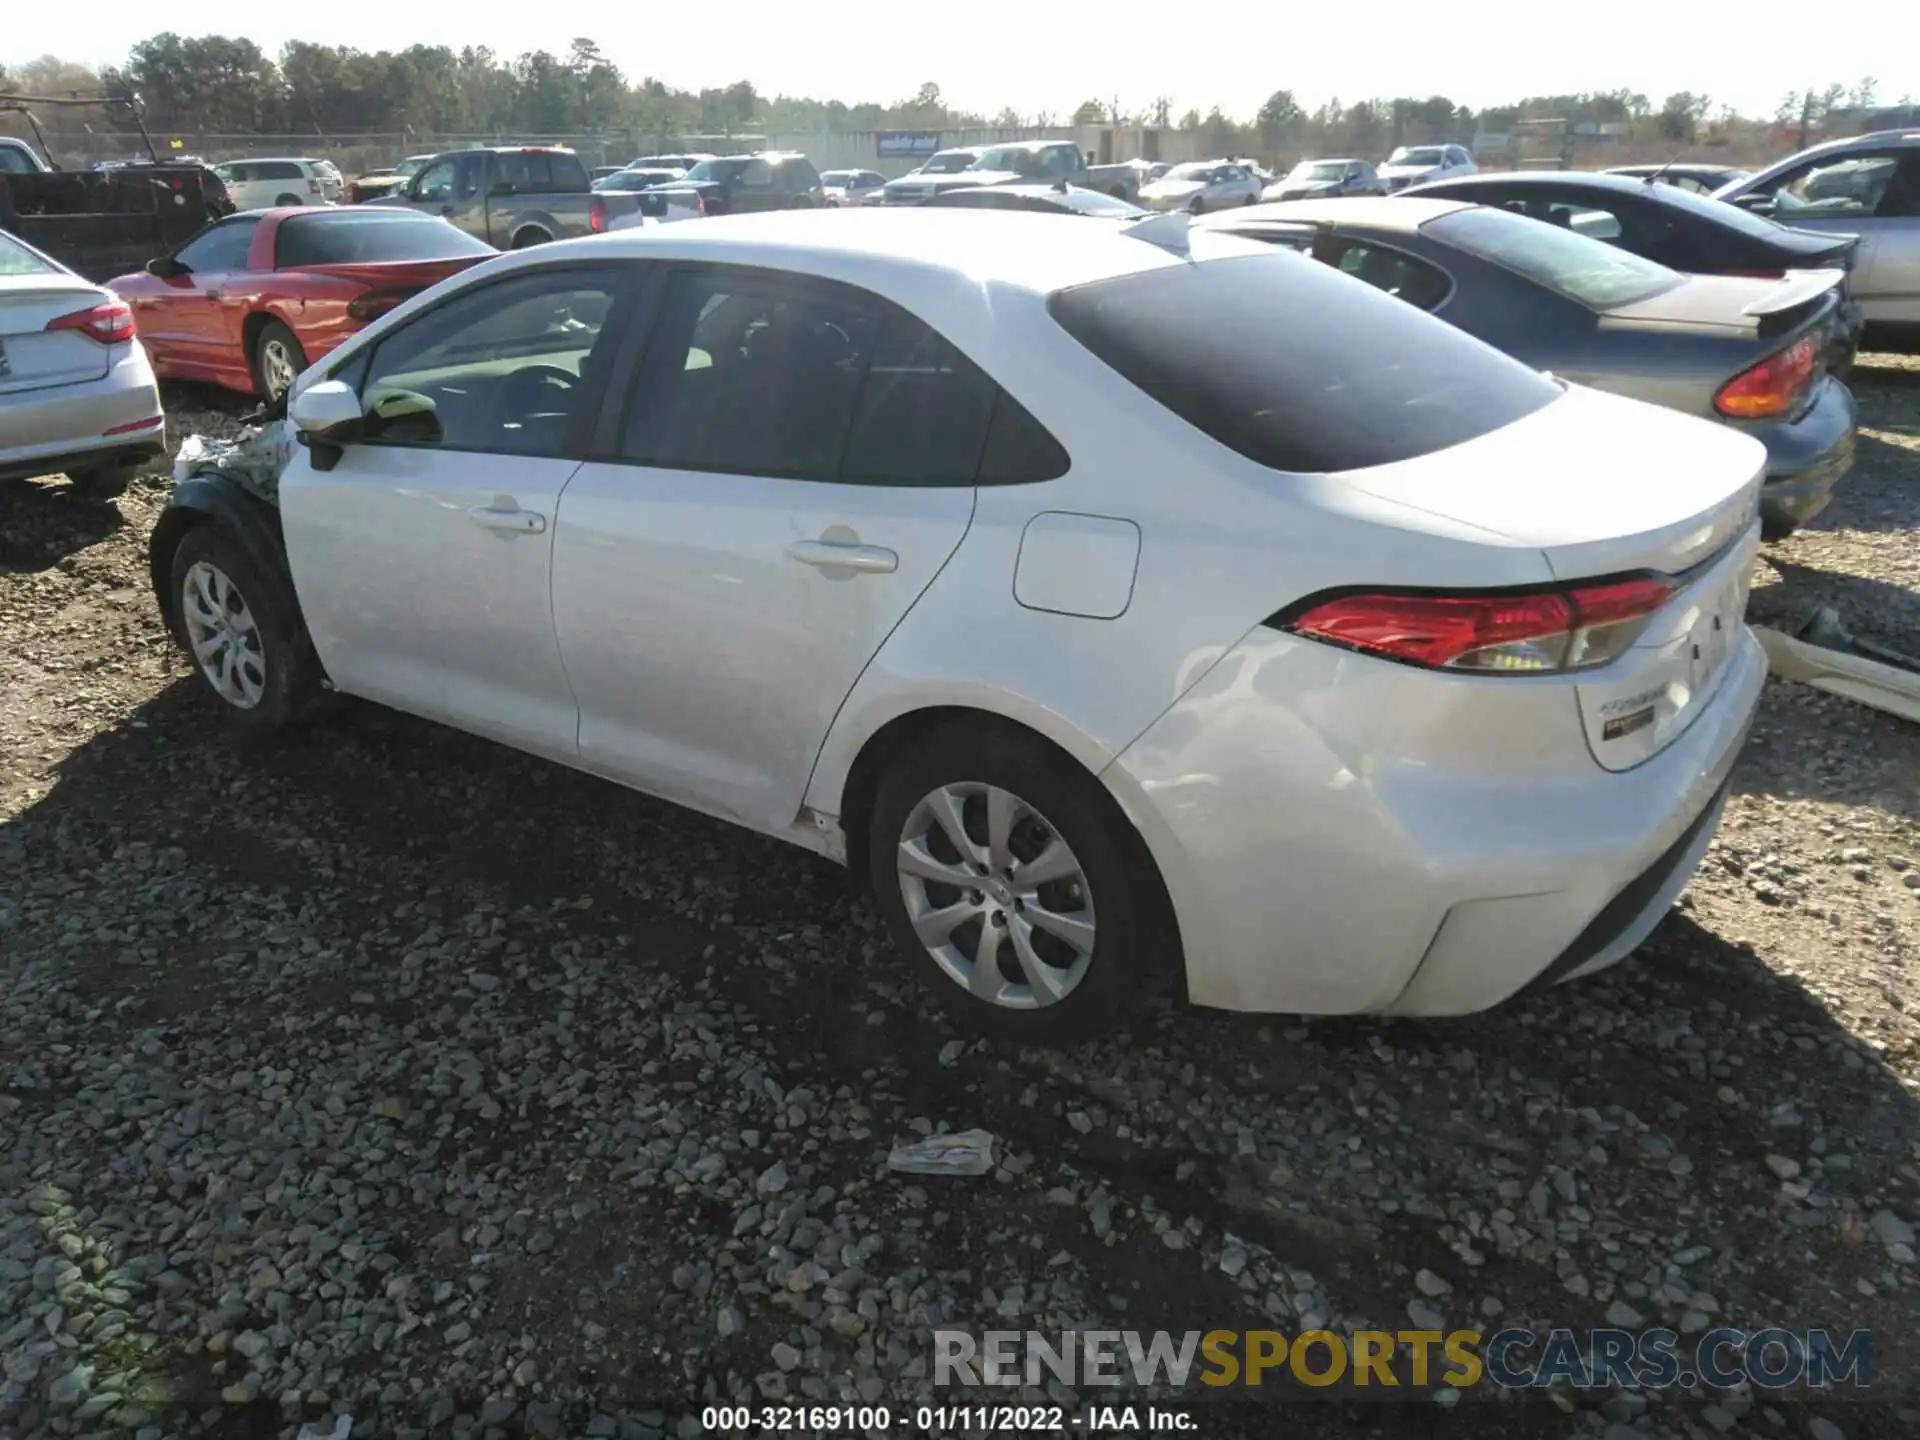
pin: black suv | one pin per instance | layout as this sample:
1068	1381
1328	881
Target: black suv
739	184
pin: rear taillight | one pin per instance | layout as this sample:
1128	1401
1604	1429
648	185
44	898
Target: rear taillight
375	303
111	322
1772	386
1535	631
597	216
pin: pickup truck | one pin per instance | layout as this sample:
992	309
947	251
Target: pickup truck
105	222
1026	160
512	196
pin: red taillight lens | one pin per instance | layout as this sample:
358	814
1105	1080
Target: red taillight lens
1541	630
597	217
111	323
1771	387
375	303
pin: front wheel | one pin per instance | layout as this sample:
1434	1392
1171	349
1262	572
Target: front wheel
246	644
1015	887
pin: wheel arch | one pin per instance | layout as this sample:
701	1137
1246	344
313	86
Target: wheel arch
213	500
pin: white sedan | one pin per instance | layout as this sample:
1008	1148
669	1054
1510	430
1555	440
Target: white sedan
1117	629
77	394
1202	186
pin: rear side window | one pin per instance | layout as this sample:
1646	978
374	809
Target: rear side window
356	236
280	170
16	259
760	373
801	175
568	174
1559	256
1296	366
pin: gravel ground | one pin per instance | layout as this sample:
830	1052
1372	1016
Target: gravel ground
386	1071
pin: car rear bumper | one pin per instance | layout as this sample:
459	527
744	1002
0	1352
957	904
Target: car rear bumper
1806	460
1339	834
96	422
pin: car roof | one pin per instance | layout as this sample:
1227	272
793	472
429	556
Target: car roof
1592	179
1020	250
1393	213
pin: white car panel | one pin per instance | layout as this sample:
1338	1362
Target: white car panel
1336	831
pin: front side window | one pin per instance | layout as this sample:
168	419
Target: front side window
435	182
1418	155
496	369
1294	367
219	247
16	162
1580	267
760	373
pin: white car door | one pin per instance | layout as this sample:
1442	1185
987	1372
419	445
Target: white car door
423	557
795	463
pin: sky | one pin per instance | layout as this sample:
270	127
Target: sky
1052	57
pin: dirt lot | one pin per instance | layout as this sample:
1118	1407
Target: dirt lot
387	1071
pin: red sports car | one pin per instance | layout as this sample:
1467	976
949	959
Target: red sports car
252	300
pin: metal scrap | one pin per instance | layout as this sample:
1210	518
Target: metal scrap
968	1153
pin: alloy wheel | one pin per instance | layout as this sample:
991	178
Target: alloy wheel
277	368
996	895
222	634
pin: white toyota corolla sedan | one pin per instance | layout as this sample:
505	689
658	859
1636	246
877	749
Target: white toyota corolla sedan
1128	606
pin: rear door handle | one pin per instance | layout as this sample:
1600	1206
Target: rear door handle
825	555
514	522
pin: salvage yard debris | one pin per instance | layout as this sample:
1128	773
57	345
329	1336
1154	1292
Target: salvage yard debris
1824	654
968	1153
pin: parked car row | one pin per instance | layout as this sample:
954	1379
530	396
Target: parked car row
951	546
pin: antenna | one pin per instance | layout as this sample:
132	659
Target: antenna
1666	167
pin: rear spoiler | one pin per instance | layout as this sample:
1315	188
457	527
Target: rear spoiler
1794	301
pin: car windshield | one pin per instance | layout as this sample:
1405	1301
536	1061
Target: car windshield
719	169
1591	272
16	259
839	177
1020	162
1098	202
1296	367
1419	155
1319	170
360	236
414	166
1190	172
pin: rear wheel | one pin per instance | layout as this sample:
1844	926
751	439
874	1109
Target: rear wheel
526	239
286	199
277	360
246	644
1776	527
1015	887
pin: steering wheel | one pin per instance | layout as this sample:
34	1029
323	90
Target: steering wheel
535	385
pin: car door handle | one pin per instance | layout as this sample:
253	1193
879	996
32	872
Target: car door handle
514	522
826	555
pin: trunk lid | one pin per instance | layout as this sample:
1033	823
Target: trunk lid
1742	304
31	356
1605	487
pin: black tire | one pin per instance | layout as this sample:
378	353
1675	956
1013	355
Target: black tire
104	482
1135	949
286	199
274	334
287	668
1776	527
526	239
1197	207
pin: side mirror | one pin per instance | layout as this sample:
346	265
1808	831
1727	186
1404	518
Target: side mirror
1759	204
165	267
328	411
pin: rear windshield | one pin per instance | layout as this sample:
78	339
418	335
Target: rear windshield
359	237
1591	272
1297	366
948	163
1719	212
16	259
